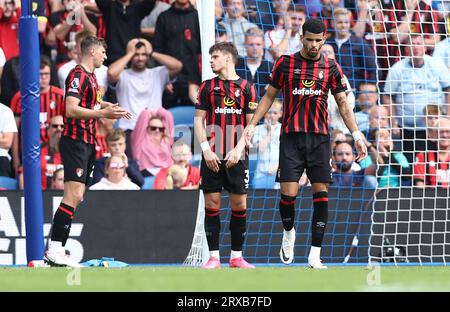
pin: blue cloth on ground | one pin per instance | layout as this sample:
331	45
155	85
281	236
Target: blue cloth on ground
105	262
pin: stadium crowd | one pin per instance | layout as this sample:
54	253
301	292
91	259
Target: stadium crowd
395	55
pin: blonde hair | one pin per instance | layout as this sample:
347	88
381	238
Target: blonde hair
341	11
254	32
176	177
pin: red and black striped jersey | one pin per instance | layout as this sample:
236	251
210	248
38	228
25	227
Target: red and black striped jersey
52	104
305	84
83	86
101	146
50	162
424	21
432	169
226	102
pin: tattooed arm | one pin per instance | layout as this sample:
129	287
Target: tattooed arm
346	112
350	121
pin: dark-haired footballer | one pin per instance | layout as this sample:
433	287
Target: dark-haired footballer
305	79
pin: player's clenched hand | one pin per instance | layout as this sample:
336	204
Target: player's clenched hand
233	157
249	131
115	112
211	159
361	148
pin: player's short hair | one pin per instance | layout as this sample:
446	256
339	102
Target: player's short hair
314	26
89	42
227	47
254	32
115	135
45	61
432	109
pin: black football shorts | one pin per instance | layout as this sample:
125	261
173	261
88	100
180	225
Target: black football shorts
300	151
78	159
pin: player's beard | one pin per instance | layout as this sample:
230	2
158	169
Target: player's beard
313	54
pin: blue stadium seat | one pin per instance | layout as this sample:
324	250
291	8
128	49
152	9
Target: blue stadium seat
8	183
183	115
149	183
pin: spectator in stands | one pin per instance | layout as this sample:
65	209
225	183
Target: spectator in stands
115	176
51	104
8	128
182	156
9	28
336	120
261	13
253	67
51	99
139	87
149	22
326	14
221	33
442	51
432	168
116	143
432	113
390	166
58	179
177	33
367	98
411	84
65	24
267	141
355	56
373	29
152	139
10	83
63	71
285	38
50	155
411	17
122	20
343	174
176	177
236	24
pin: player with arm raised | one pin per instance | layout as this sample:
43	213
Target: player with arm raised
83	107
226	103
305	79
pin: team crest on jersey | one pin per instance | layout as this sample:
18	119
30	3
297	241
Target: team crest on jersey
321	74
237	93
79	172
52	105
228	101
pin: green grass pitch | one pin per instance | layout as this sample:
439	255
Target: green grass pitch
271	279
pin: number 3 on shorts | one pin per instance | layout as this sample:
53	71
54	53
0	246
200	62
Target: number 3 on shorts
247	178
